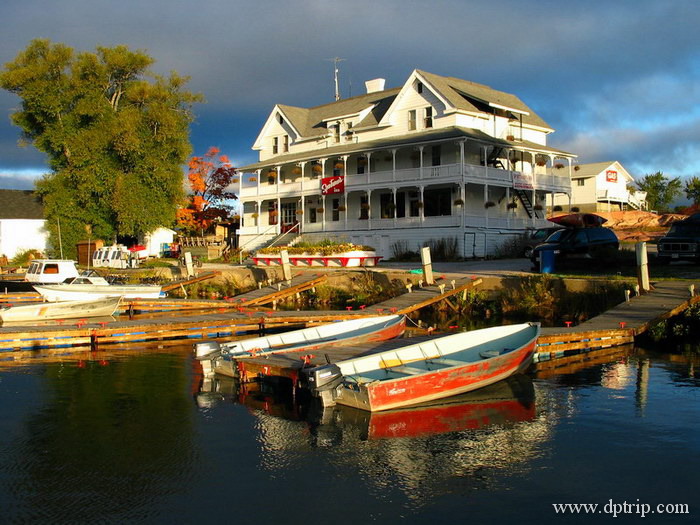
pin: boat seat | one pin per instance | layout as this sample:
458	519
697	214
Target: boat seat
408	370
447	362
488	354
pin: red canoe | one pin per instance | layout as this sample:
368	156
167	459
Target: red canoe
579	220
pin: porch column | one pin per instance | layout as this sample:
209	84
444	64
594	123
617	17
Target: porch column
463	196
420	158
323	167
486	199
369	156
257	186
345	213
258	207
345	165
393	199
323	215
461	159
422	214
278	179
369	209
302	165
393	169
278	229
301	217
508	212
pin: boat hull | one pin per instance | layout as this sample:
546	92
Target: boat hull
60	310
85	292
430	385
240	363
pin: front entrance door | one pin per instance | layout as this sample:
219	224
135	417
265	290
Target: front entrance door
288	216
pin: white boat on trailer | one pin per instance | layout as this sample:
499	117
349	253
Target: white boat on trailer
101	307
229	358
91	285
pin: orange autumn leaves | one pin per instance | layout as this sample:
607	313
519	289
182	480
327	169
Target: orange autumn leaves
209	177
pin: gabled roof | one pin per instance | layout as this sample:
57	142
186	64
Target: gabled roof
469	96
20	204
586	171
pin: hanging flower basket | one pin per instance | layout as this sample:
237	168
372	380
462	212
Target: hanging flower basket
459	202
253	179
338	165
489	204
558	165
576	168
341	208
300	212
316	168
510	138
320	210
512	205
296	170
575	209
254	215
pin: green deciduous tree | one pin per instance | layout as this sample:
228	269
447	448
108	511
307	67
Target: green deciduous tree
660	190
692	189
116	137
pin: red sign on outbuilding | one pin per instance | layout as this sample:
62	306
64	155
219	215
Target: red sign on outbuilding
611	176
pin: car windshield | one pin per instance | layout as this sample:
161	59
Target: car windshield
679	229
559	235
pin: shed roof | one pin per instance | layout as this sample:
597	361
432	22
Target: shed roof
20	204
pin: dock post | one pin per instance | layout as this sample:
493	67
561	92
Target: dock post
427	265
286	268
642	267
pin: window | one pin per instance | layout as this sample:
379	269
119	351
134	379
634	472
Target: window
419	87
401	204
364	208
275	145
336	210
413	206
437	202
280	119
428	117
386	205
285	144
580	182
412	120
436	153
336	132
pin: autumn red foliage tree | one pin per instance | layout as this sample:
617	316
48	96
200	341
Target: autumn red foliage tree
209	177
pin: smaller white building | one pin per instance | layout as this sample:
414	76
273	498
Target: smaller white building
155	240
602	186
21	223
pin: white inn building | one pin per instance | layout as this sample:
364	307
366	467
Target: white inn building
437	158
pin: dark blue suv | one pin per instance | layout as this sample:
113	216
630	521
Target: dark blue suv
578	243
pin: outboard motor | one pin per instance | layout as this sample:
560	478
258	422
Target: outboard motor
204	349
323	382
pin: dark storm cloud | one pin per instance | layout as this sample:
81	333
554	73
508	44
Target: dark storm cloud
617	80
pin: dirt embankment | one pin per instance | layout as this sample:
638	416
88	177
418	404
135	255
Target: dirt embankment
637	226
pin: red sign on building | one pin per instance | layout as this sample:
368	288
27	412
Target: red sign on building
611	176
332	185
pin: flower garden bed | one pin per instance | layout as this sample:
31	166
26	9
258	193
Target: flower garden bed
349	259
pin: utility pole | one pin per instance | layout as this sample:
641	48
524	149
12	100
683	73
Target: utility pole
335	61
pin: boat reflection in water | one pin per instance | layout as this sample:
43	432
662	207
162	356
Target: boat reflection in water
502	403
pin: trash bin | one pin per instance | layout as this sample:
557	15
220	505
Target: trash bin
547	261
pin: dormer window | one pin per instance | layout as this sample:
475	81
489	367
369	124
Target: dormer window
428	117
412	120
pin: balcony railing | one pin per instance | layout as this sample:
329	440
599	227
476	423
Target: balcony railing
549	181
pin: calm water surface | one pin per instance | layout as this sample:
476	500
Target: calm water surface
140	438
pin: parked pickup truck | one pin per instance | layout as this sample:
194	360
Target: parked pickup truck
682	242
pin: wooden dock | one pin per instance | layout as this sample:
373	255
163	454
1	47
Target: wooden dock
619	325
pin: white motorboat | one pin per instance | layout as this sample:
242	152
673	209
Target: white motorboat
41	271
91	285
102	307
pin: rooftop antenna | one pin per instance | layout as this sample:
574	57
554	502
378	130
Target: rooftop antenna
335	61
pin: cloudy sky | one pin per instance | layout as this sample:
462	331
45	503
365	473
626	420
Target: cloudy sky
618	80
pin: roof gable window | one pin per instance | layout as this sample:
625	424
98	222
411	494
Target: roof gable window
428	120
411	120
